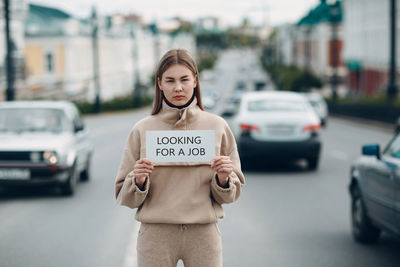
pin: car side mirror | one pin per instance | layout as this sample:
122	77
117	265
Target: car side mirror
227	114
79	128
371	150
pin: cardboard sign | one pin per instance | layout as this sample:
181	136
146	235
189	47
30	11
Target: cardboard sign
180	146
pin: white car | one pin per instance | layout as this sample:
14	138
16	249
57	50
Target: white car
277	125
43	142
319	105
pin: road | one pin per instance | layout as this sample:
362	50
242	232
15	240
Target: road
286	216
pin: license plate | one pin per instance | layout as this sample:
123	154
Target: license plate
14	174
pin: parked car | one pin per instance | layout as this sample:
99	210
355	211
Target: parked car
397	126
319	105
43	142
375	192
277	125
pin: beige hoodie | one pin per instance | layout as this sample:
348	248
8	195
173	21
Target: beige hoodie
179	193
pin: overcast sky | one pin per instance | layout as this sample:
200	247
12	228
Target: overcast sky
232	11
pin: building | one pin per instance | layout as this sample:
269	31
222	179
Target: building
318	41
367	50
59	56
60	59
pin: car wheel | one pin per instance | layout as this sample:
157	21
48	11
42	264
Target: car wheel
313	163
68	187
85	175
362	228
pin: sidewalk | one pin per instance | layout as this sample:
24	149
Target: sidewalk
389	127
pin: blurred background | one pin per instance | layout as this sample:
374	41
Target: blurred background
327	207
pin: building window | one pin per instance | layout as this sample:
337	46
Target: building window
49	62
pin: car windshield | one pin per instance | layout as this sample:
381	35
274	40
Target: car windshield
314	103
32	120
275	105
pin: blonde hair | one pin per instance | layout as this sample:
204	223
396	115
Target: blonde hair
175	56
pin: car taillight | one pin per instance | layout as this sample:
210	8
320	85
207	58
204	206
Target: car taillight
312	127
249	127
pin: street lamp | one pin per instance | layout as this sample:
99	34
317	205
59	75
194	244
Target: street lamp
335	17
136	87
392	86
95	50
10	91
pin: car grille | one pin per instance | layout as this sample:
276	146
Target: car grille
19	156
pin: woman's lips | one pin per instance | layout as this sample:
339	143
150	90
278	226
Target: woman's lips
179	97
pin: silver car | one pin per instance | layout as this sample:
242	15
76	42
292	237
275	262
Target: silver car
276	125
43	142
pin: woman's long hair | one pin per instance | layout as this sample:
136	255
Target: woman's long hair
175	56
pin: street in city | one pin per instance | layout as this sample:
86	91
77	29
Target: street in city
286	216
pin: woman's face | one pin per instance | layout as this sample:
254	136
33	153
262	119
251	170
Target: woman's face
178	84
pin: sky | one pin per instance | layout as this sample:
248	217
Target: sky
275	12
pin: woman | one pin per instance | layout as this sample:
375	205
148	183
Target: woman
179	203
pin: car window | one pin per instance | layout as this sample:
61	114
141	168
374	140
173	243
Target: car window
393	149
33	120
275	105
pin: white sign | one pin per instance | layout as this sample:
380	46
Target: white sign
180	146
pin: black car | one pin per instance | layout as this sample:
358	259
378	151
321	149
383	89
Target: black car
375	192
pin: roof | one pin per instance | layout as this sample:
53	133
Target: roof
273	94
48	12
323	12
45	21
37	104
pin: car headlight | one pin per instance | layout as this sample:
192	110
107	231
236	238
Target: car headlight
50	157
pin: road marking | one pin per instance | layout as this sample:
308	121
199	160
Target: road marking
339	155
130	253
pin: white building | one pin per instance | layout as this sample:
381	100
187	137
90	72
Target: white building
310	43
367	35
59	54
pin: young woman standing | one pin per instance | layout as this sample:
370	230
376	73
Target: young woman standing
178	204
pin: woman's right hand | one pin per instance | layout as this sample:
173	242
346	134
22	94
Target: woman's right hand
142	169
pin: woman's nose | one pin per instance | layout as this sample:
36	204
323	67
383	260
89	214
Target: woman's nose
178	87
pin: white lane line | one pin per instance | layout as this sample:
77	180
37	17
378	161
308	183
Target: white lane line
339	155
130	253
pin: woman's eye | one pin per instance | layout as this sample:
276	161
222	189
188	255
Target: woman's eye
185	80
170	81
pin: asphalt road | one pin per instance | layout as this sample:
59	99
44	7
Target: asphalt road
286	216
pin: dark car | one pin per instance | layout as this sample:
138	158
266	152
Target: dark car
375	192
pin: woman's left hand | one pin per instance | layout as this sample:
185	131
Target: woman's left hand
222	165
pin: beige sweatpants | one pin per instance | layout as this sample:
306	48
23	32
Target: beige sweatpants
162	245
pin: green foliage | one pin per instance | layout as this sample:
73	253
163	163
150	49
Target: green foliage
378	99
116	104
229	39
292	78
206	62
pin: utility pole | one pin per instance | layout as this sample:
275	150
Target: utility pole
307	48
95	49
136	87
335	18
392	86
10	91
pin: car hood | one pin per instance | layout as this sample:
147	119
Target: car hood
33	141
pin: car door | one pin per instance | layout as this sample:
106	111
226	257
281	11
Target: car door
393	154
82	144
378	186
383	187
